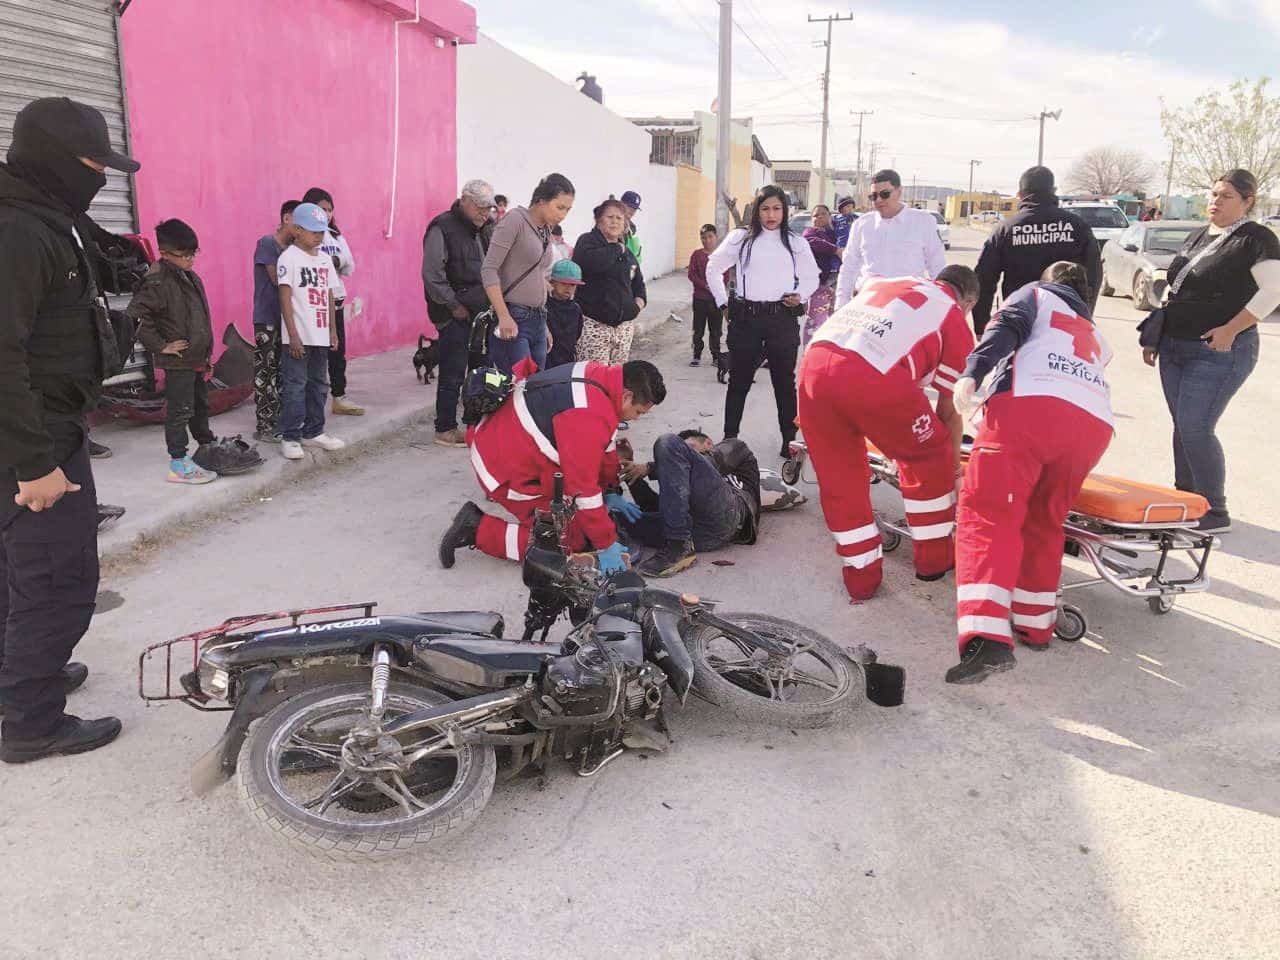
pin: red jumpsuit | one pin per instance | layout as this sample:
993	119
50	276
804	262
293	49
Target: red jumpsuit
1045	427
550	425
862	378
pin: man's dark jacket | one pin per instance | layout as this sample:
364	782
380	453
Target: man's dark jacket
171	305
465	247
1039	234
55	346
611	278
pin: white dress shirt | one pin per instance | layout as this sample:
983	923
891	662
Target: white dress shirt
905	245
766	271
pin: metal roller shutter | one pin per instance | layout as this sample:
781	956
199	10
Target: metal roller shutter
67	48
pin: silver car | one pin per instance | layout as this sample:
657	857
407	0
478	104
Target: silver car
1134	265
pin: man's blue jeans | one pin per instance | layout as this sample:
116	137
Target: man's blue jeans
530	341
304	388
694	501
1198	384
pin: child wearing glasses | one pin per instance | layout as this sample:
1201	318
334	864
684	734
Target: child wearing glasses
172	313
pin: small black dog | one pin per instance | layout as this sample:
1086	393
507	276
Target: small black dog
721	360
426	358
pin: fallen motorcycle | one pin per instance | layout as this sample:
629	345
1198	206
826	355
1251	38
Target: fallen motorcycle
360	736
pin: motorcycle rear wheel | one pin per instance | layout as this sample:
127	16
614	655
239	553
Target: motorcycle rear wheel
816	683
283	793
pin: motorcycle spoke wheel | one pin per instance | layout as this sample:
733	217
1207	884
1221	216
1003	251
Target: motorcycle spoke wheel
805	687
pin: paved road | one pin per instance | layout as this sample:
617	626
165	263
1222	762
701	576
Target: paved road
1115	799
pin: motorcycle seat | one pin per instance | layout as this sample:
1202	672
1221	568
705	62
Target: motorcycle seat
463	621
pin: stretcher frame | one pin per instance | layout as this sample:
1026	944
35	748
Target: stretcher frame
1115	549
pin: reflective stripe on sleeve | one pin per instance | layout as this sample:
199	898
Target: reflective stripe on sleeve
590	503
513	541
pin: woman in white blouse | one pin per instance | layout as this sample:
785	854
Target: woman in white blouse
774	274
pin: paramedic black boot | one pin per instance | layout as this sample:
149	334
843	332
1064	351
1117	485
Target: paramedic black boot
461	533
981	658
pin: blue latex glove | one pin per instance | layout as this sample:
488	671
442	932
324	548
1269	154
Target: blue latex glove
619	504
610	560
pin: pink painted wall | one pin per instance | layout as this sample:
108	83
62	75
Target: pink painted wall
239	105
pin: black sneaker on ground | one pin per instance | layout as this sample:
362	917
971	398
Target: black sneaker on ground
98	451
1215	521
73	736
695	362
73	676
461	533
677	555
981	658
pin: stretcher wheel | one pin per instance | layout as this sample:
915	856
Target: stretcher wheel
890	540
1160	605
1071	625
791	471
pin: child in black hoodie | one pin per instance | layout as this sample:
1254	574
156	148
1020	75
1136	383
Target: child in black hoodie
564	316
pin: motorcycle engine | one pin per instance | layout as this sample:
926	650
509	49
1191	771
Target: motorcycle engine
582	682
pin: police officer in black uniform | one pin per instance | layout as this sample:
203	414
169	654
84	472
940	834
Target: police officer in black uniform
1039	234
56	345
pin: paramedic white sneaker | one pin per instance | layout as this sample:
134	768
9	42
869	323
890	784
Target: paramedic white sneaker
291	450
981	658
324	442
1215	521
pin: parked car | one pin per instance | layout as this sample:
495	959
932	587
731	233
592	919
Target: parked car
800	222
1105	219
944	231
1135	264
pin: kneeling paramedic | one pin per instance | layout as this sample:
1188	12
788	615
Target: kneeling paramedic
863	378
562	420
1046	424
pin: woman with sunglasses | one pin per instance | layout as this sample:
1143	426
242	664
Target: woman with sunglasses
893	240
775	273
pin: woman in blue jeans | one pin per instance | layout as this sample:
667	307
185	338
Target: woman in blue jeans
514	273
1225	279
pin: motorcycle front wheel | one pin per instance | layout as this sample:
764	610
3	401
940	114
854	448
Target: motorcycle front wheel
295	776
808	687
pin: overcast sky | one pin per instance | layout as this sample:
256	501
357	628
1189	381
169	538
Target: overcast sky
947	85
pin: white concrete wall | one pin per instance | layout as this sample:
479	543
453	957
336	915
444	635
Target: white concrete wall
517	123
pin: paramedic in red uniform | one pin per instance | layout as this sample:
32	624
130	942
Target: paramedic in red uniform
863	378
1046	423
562	420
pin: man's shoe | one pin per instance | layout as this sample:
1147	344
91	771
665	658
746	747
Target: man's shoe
1215	521
291	450
677	555
451	438
343	406
695	362
982	657
324	442
461	533
189	472
99	451
73	677
267	436
72	736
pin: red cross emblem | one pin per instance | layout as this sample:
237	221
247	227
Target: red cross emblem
1083	343
881	293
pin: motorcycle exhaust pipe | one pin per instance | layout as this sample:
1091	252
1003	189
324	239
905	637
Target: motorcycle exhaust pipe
459	711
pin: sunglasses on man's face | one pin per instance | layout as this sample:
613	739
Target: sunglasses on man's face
882	194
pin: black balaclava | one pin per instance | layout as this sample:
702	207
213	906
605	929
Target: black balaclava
43	162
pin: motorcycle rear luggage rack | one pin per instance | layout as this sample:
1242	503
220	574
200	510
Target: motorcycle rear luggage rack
223	634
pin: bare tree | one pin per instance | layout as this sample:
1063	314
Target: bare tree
1108	170
1225	129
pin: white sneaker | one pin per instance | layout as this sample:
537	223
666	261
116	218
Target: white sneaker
324	442
291	450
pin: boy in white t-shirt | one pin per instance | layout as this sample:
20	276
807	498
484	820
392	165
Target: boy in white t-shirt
306	277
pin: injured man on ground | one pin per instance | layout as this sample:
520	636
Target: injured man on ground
708	495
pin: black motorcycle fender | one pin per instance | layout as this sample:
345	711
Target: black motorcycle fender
665	648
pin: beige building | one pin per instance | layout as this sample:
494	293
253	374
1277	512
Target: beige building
689	145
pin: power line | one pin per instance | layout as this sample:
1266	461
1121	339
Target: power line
697	23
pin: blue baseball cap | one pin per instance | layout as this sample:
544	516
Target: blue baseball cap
566	271
631	199
308	216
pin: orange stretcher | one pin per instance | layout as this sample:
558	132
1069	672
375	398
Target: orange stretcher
1128	530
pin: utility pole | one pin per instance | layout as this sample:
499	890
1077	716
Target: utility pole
972	164
724	130
912	201
1055	114
860	114
826	102
1168	189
